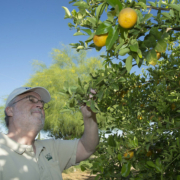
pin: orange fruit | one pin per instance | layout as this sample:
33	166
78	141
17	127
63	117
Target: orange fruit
173	106
149	153
127	18
139	117
158	55
129	155
100	40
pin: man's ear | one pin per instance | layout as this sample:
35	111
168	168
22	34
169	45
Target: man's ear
9	111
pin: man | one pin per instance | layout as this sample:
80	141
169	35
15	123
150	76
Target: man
24	158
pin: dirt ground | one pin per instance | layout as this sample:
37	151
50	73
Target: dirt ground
78	175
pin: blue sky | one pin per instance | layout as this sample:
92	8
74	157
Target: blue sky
29	31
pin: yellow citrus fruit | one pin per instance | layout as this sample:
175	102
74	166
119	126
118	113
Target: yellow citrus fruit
127	18
129	155
142	105
149	153
100	40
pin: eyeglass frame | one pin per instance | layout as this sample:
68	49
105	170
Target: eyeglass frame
29	96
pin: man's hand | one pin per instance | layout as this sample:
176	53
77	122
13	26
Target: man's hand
90	139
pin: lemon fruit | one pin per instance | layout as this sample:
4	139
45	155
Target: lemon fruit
127	18
100	40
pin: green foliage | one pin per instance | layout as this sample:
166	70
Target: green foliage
67	66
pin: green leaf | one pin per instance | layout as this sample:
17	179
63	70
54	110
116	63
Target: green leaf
72	103
150	41
124	51
67	12
143	5
134	47
111	141
79	82
137	59
92	20
113	3
152	3
100	95
175	6
161	45
121	79
80	91
156	33
88	31
139	53
100	80
159	3
78	34
103	28
146	17
135	141
112	37
84	167
126	169
150	163
100	9
90	37
151	56
81	4
92	106
129	63
119	46
178	177
166	15
109	150
171	12
119	157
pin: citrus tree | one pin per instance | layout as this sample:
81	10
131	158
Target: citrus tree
144	107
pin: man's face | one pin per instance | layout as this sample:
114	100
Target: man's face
28	115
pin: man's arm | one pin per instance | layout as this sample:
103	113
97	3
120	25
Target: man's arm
90	139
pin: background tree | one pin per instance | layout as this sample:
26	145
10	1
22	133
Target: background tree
67	65
145	107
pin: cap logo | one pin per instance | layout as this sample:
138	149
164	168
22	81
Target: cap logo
28	88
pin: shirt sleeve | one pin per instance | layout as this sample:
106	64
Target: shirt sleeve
66	152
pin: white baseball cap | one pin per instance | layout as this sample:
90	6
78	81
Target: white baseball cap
44	93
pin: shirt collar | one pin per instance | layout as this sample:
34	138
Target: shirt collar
18	148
